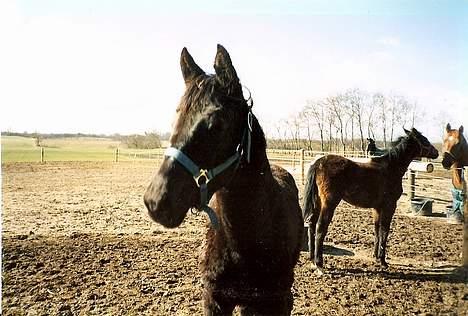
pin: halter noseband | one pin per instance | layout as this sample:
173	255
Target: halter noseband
203	176
456	152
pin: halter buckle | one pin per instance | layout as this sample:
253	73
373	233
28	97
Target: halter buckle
203	173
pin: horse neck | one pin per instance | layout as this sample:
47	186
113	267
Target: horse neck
249	187
400	156
457	175
457	179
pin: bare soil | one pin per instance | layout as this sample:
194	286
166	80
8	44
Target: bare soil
77	241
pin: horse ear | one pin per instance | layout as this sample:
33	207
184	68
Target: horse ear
448	127
225	72
460	130
190	69
407	132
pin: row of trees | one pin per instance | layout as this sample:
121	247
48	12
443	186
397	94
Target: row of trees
150	140
343	121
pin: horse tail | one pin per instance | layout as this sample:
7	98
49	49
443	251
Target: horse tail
310	203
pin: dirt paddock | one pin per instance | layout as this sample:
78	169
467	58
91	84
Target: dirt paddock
77	241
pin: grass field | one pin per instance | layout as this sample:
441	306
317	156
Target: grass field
22	149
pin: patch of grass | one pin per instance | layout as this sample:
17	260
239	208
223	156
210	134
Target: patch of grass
22	149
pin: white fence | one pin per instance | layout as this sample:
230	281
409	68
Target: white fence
419	182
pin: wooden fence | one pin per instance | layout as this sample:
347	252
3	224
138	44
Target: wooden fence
423	178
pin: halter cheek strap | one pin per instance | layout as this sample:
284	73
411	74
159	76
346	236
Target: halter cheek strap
202	177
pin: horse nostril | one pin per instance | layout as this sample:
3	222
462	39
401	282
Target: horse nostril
149	202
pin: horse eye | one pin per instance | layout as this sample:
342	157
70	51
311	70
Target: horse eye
214	124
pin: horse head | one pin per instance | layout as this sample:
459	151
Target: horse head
423	147
453	147
206	143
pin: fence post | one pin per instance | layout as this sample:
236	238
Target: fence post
302	164
465	215
116	156
412	184
42	154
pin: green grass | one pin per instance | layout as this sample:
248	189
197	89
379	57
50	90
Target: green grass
23	149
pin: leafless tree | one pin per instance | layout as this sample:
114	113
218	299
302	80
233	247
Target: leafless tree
315	110
380	101
356	98
338	109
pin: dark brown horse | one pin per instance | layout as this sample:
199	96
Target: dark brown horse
372	149
256	228
376	184
455	155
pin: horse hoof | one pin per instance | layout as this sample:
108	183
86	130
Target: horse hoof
384	265
319	271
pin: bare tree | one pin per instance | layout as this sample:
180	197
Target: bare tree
338	109
380	102
294	124
316	110
356	99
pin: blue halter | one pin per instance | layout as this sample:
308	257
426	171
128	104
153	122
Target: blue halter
203	176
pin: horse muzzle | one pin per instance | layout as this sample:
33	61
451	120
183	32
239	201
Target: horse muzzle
448	160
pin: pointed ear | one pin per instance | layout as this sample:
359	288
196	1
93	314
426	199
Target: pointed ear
460	130
407	132
190	69
448	127
225	72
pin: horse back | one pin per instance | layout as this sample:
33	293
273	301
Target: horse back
360	184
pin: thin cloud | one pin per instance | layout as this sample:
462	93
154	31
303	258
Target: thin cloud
389	41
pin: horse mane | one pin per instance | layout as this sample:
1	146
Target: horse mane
206	89
398	147
199	92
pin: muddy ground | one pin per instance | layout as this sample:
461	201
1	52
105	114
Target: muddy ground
77	241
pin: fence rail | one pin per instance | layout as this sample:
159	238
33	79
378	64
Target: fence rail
435	184
297	162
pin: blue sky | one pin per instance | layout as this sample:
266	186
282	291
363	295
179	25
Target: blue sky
113	66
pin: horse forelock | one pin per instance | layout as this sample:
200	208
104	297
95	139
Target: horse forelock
199	94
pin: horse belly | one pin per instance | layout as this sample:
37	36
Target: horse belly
366	197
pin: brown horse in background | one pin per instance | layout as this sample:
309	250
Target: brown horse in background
455	155
376	184
373	150
256	234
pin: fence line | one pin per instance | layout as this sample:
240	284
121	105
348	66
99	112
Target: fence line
297	162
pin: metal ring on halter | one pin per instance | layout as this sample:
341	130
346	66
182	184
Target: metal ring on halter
203	173
249	98
250	120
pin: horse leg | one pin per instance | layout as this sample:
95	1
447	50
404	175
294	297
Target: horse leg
312	227
386	216
281	306
324	219
216	306
376	234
